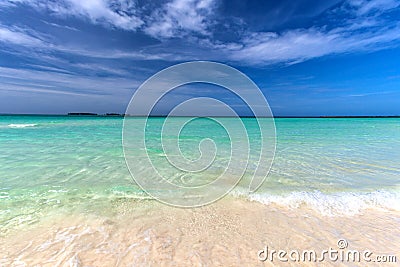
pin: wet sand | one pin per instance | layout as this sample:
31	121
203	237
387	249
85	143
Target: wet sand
227	233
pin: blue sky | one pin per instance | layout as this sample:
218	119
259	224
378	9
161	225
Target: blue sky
308	57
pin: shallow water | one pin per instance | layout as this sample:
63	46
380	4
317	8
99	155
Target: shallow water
57	164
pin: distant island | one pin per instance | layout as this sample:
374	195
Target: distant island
94	114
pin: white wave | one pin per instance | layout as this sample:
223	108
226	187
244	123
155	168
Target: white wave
21	125
344	203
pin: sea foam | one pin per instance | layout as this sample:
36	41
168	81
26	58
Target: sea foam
335	204
21	125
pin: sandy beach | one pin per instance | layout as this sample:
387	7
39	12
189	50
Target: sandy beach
230	232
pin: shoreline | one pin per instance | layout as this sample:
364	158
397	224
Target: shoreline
229	232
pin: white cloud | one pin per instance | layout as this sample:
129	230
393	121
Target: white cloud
114	13
17	36
100	68
60	26
169	20
178	17
373	93
100	11
366	32
362	7
62	83
302	44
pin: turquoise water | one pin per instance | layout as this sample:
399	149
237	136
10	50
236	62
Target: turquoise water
56	163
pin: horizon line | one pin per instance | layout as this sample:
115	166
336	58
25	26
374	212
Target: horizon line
89	114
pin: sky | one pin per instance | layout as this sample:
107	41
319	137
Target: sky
309	58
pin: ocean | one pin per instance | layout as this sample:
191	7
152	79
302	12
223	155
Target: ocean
57	163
